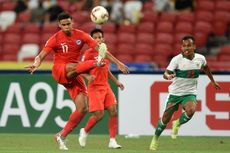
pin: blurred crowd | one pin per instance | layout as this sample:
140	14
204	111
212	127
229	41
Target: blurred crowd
139	31
121	11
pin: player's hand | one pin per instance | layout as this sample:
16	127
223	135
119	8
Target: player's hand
35	65
120	85
216	85
31	68
170	76
123	68
91	78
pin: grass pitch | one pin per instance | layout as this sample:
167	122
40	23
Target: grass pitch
44	143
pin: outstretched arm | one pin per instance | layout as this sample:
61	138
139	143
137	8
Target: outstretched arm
114	79
121	66
209	74
103	52
37	61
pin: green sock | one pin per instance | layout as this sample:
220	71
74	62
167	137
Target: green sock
160	128
183	118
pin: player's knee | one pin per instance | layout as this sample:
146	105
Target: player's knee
99	115
190	112
71	74
82	109
70	71
113	113
167	117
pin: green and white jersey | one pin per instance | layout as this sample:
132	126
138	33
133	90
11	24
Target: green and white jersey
187	73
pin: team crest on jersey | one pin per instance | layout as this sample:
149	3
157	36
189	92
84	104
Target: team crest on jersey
78	42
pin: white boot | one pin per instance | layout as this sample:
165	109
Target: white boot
113	144
61	142
82	137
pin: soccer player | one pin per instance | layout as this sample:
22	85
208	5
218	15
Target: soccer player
183	70
66	45
100	95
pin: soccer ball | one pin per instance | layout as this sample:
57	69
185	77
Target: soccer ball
99	15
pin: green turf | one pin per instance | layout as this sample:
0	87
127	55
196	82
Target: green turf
44	143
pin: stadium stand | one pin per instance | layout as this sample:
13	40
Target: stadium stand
183	27
28	52
160	31
168	17
186	17
14	28
125	58
7	18
206	16
109	28
130	28
143	49
125	48
165	27
143	59
146	38
146	27
126	38
205	5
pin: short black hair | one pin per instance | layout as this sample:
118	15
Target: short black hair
63	15
95	31
187	37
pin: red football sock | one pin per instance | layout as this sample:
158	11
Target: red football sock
85	66
73	121
90	124
112	127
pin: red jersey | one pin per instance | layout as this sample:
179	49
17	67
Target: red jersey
100	73
67	48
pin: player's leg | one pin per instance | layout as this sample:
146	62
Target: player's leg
161	125
96	105
77	91
74	119
189	107
171	106
111	106
113	124
93	120
73	70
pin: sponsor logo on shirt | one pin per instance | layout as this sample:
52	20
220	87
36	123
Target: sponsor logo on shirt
78	42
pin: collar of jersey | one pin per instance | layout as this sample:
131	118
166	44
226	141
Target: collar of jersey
186	57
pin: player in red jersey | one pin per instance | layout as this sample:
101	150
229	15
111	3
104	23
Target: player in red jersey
100	95
66	45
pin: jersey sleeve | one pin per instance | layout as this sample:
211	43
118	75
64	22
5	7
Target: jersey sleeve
50	44
89	40
87	55
172	65
204	61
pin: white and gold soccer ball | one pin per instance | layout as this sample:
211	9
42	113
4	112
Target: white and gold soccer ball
99	15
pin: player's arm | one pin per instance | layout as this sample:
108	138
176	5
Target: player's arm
102	50
37	61
121	66
104	53
210	76
89	77
50	44
168	75
115	80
